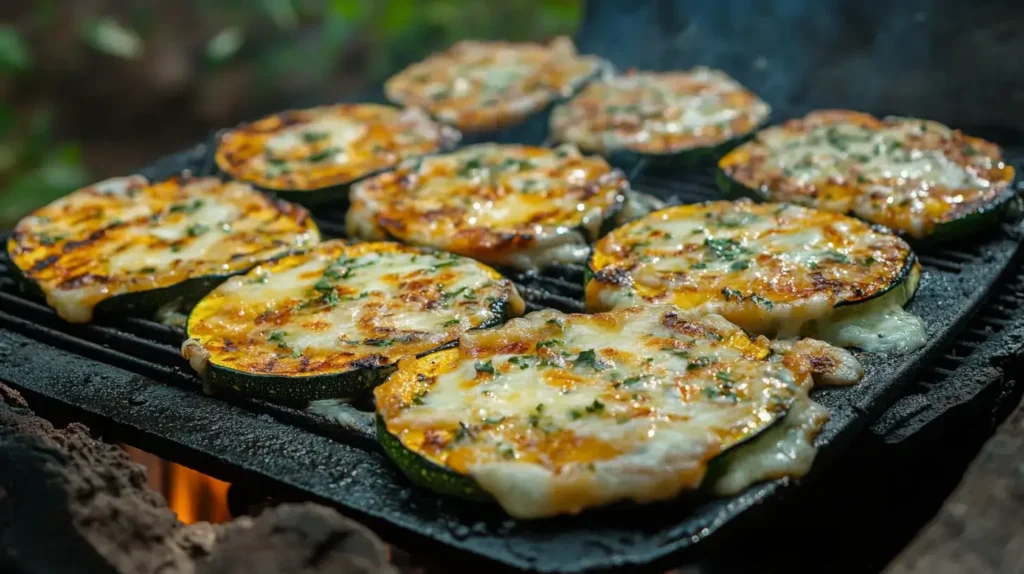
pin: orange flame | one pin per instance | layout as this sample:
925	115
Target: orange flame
193	496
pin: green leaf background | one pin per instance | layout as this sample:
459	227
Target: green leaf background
277	53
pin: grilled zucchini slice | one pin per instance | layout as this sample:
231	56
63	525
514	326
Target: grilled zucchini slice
917	177
673	118
313	155
554	413
483	86
331	322
517	206
774	269
129	245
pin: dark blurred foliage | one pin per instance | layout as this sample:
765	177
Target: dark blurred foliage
94	88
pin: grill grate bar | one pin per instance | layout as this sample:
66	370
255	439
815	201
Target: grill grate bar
940	263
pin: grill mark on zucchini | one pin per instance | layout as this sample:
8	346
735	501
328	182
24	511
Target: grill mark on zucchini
298	343
671	130
918	179
799	264
359	139
458	432
482	86
126	236
483	213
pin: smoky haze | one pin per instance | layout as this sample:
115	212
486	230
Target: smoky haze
953	61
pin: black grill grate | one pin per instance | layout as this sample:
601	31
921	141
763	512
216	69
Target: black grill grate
957	280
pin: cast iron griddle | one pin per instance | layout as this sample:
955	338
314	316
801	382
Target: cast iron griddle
124	377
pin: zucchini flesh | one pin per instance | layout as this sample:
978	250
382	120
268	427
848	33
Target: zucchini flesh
774	269
554	413
128	245
670	119
488	86
510	205
331	322
917	177
313	155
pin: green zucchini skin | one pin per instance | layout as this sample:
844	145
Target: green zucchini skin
299	391
139	303
425	473
679	160
967	225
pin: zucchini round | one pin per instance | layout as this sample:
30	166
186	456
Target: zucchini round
773	269
553	413
126	245
510	205
331	322
488	86
671	119
313	155
917	177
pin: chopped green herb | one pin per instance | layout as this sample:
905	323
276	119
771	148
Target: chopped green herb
470	166
725	248
731	294
310	137
735	219
324	154
595	407
590	358
700	265
493	420
147	270
277	337
463	432
323	285
437	266
484	367
575	415
700	362
417	399
550	343
677	352
836	256
197	229
190	207
48	240
868	261
632	381
739	265
379	342
176	247
331	298
763	302
724	376
523	362
451	323
719	393
506	450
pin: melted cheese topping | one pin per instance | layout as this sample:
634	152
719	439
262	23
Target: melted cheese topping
340	307
553	413
305	150
908	174
659	113
772	269
480	86
511	205
127	235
